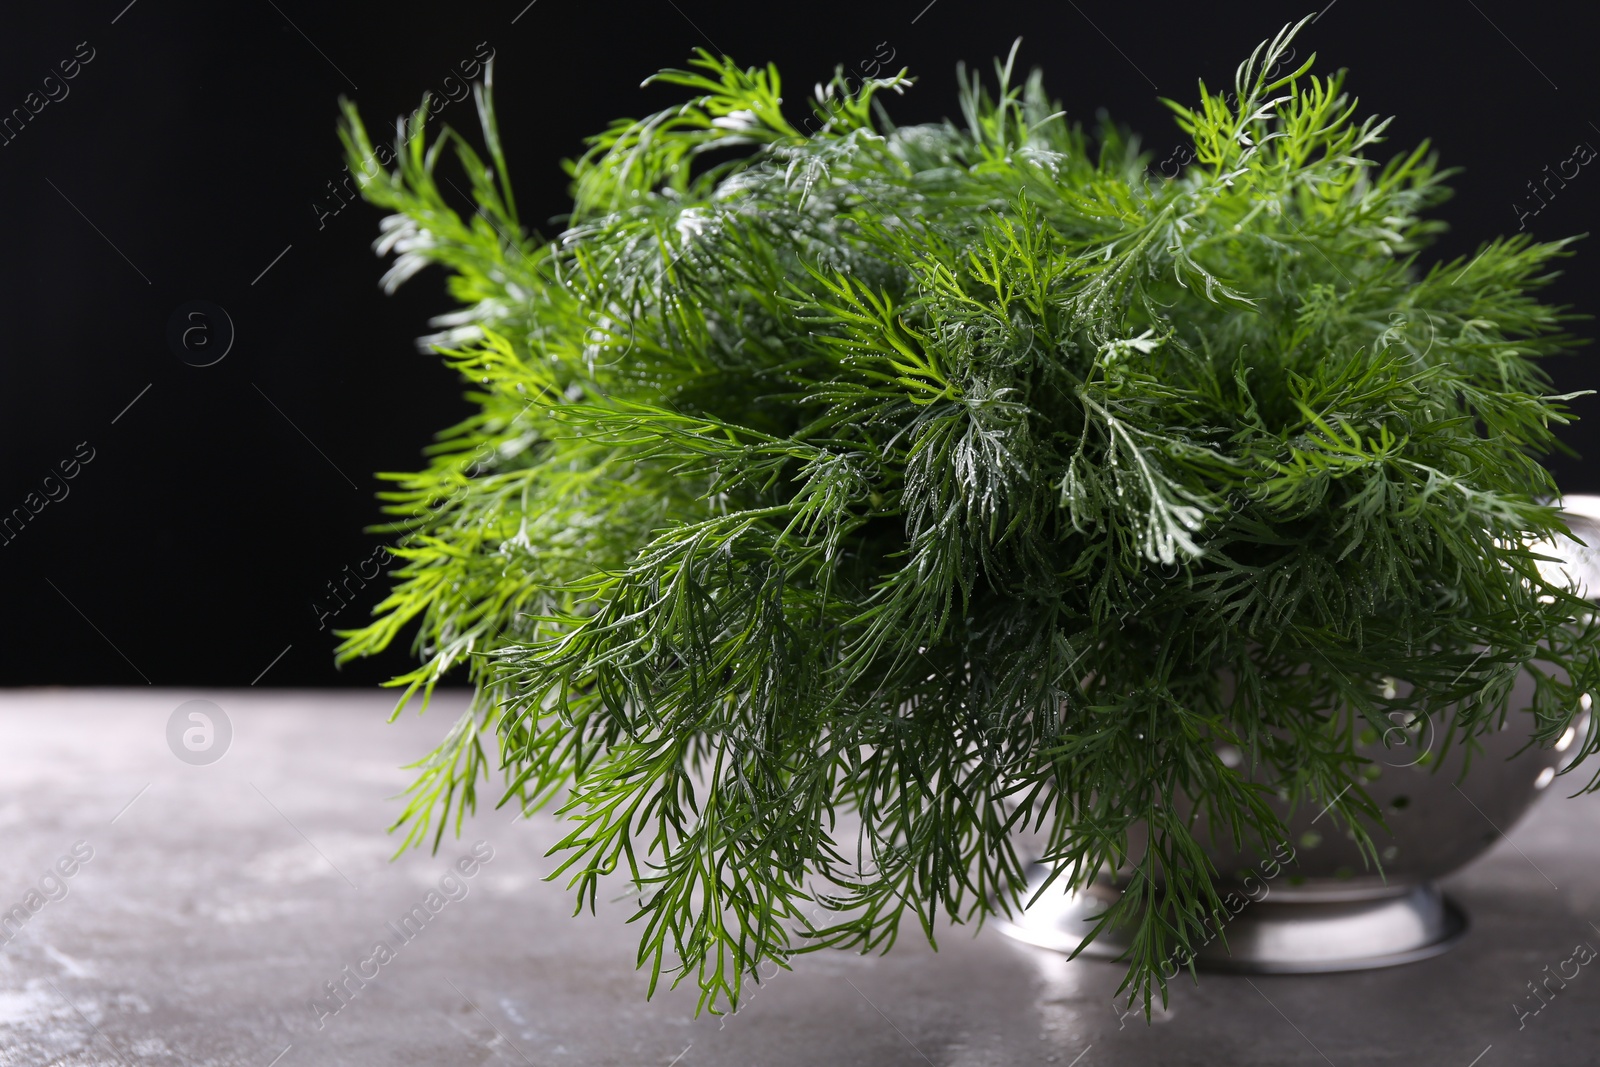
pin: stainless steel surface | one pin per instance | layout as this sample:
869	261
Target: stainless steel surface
1423	835
1580	566
1321	909
1329	908
1268	935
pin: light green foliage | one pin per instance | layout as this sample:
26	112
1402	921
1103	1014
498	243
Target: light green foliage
840	504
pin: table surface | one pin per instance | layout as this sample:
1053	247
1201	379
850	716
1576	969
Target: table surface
217	902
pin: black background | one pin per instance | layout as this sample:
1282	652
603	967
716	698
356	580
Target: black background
190	152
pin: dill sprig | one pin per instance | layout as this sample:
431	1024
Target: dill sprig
840	504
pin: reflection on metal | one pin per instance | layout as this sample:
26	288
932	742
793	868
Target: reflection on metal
1268	936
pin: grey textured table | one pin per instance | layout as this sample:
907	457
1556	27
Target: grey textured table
219	900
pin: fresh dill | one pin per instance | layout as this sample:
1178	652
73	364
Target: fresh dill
837	505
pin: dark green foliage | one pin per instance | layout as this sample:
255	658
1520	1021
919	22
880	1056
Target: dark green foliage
840	505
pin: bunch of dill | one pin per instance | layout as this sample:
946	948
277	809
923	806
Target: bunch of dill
841	504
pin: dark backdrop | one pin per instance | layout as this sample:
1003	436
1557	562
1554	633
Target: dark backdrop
188	159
